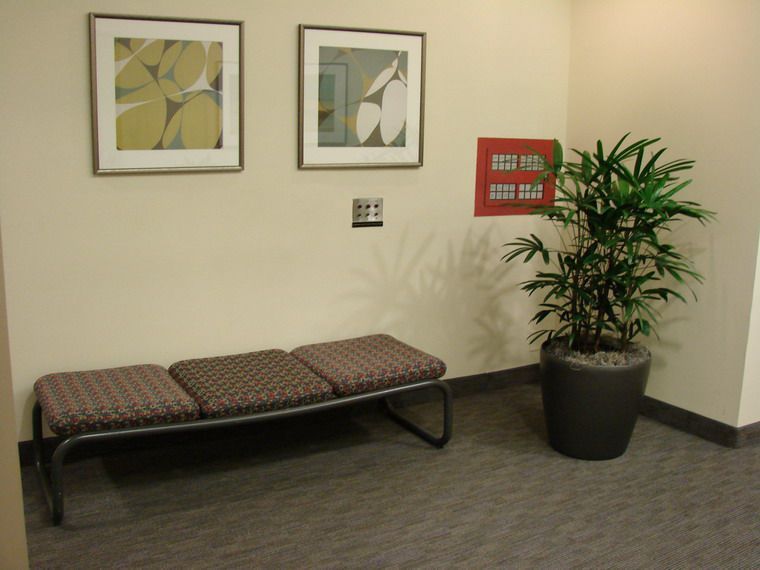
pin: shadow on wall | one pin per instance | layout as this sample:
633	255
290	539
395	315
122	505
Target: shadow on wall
456	301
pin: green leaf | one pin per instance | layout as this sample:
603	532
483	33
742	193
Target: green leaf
613	214
650	165
586	167
557	155
639	160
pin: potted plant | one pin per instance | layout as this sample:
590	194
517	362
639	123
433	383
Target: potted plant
601	285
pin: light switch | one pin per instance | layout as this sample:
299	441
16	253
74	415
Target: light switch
367	212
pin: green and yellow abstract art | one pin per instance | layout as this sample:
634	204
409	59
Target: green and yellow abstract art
168	94
362	97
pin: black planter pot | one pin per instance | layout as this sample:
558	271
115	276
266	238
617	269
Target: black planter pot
591	410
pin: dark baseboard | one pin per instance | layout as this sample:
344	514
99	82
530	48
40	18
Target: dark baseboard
668	414
485	382
706	428
468	385
26	451
748	435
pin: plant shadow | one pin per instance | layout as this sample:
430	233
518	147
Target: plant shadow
454	298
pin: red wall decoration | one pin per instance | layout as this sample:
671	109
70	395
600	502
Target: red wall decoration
505	174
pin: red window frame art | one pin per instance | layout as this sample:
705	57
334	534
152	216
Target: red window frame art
501	167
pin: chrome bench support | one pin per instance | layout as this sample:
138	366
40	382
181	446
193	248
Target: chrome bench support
51	478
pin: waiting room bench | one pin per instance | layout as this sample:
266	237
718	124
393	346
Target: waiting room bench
222	391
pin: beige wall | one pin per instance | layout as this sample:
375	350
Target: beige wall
13	554
686	70
107	271
749	409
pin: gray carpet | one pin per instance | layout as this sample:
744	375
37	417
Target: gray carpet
356	491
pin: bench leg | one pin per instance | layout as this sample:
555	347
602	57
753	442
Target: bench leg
448	415
51	480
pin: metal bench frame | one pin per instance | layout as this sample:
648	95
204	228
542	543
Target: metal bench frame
51	477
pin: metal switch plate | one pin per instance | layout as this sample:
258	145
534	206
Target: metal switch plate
367	212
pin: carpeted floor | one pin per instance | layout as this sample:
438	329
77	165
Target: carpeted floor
356	491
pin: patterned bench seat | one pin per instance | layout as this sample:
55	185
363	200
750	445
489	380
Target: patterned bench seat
367	363
249	383
112	398
226	391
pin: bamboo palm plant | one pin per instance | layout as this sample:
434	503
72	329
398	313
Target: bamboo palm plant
602	284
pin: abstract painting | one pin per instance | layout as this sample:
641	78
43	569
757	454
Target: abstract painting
166	94
362	95
361	98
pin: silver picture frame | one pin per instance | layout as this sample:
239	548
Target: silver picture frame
167	94
361	97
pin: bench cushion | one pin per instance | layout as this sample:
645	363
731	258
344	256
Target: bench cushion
94	400
368	363
247	383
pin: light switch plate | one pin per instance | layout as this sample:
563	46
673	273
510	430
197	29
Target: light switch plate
367	212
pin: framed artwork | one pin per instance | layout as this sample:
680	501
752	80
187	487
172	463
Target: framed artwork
167	94
361	98
507	176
